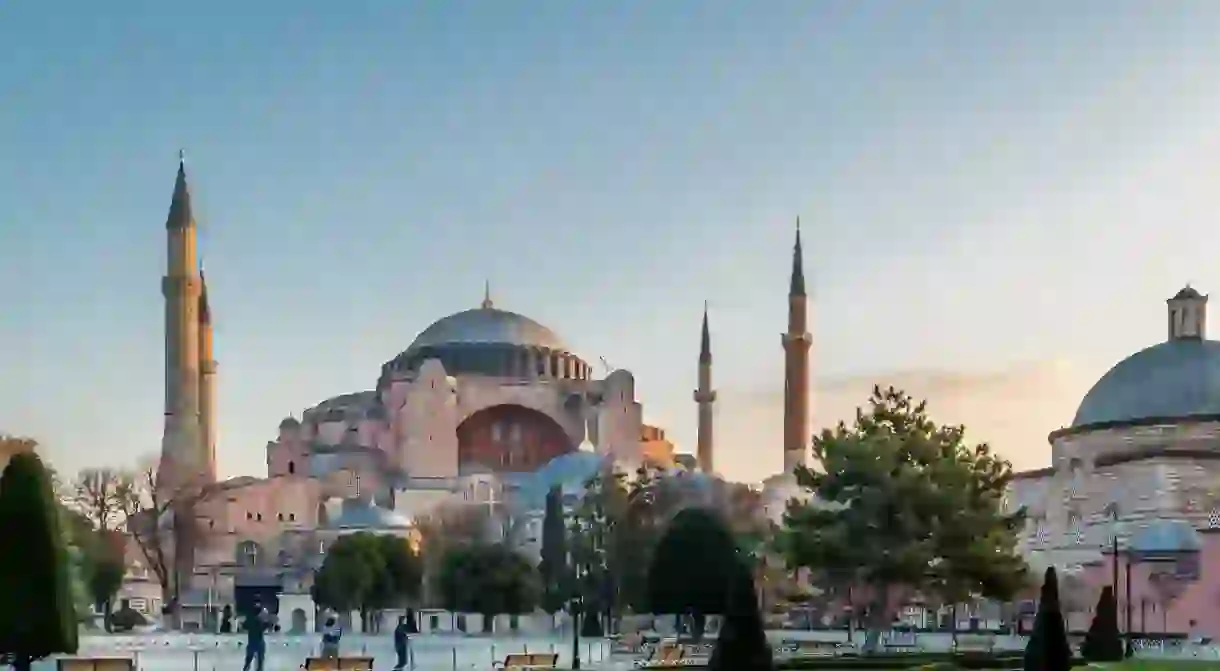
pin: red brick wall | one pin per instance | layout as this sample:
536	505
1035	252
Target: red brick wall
510	438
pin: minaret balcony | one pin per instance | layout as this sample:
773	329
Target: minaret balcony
804	338
708	396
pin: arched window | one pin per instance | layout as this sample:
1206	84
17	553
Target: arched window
249	554
292	467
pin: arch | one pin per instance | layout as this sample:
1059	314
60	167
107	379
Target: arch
249	554
510	438
299	621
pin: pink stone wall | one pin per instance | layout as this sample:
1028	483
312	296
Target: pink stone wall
1167	604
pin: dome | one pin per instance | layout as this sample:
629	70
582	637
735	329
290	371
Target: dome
487	326
359	514
1172	380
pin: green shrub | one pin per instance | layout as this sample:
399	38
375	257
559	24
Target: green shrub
1048	648
1103	643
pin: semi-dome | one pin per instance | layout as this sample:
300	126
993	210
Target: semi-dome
487	326
1176	379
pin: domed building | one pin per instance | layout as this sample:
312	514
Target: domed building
1140	463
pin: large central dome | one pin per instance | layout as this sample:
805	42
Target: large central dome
1173	380
487	326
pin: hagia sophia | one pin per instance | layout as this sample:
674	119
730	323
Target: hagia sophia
485	407
488	407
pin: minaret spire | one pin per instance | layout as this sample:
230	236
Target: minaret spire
705	398
797	342
797	285
487	304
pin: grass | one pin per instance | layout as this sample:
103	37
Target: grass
1159	665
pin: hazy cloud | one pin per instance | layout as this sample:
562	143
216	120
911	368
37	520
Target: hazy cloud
1012	409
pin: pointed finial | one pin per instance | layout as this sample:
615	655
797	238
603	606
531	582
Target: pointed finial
181	156
796	287
705	339
487	304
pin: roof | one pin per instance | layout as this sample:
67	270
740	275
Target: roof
361	514
1166	538
487	326
1172	380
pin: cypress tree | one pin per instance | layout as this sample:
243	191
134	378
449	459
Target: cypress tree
1048	648
1103	643
553	568
37	613
742	644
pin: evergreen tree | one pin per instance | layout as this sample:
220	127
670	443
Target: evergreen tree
694	567
1048	648
742	644
1103	643
37	613
553	569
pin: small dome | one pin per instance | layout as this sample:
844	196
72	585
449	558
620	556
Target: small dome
487	326
1187	293
1176	379
289	423
360	514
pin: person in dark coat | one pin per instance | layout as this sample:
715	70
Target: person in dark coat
402	643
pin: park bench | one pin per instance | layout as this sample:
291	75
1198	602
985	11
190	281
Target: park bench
628	644
664	655
523	661
793	650
975	643
340	663
96	664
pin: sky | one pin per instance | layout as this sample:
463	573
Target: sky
996	199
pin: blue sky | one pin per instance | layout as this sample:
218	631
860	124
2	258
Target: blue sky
986	189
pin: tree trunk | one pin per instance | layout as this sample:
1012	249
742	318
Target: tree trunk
107	609
878	621
22	663
488	621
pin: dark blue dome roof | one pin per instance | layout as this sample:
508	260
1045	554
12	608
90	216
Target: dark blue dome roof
360	514
1175	379
487	326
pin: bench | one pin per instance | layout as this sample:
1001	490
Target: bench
537	660
664	655
339	664
794	650
96	664
975	643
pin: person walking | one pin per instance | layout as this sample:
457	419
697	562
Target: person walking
331	633
257	622
402	644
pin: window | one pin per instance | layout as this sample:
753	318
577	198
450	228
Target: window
292	467
280	517
292	517
260	517
249	515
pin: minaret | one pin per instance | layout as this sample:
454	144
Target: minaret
182	459
796	365
705	397
207	383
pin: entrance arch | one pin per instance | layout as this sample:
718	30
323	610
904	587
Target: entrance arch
510	438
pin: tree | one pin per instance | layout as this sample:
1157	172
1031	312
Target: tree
446	528
37	614
742	644
554	570
1103	643
367	572
1048	648
902	505
490	579
100	495
678	585
162	519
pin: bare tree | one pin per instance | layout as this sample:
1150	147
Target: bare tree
448	526
164	524
99	494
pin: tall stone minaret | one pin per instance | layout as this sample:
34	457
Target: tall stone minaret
183	460
705	397
207	383
797	342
